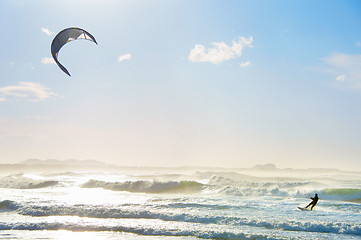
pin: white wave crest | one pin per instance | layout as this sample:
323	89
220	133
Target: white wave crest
146	186
134	212
20	182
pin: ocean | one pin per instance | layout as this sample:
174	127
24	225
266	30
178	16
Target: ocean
56	202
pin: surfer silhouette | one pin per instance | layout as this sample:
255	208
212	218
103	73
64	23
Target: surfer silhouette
314	202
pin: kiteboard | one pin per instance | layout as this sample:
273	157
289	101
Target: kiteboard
302	209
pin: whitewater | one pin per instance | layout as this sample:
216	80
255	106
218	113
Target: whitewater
52	202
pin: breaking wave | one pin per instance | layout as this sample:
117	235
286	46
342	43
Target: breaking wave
345	194
145	231
134	211
19	182
147	186
285	188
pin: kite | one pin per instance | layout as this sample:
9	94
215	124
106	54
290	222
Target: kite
65	36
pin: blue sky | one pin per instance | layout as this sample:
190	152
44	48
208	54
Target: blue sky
172	83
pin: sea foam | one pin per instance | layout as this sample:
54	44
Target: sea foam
141	211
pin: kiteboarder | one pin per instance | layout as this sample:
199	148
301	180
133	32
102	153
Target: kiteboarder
314	202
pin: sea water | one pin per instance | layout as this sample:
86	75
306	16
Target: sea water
180	204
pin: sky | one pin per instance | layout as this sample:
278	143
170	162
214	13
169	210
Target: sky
183	83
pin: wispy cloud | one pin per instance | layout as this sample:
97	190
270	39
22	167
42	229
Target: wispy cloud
346	69
341	77
219	51
48	60
29	65
29	91
245	64
37	117
126	56
47	31
19	3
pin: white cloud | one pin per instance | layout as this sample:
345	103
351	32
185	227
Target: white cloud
29	91
245	64
124	57
346	68
2	99
47	31
220	51
341	78
47	60
341	60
